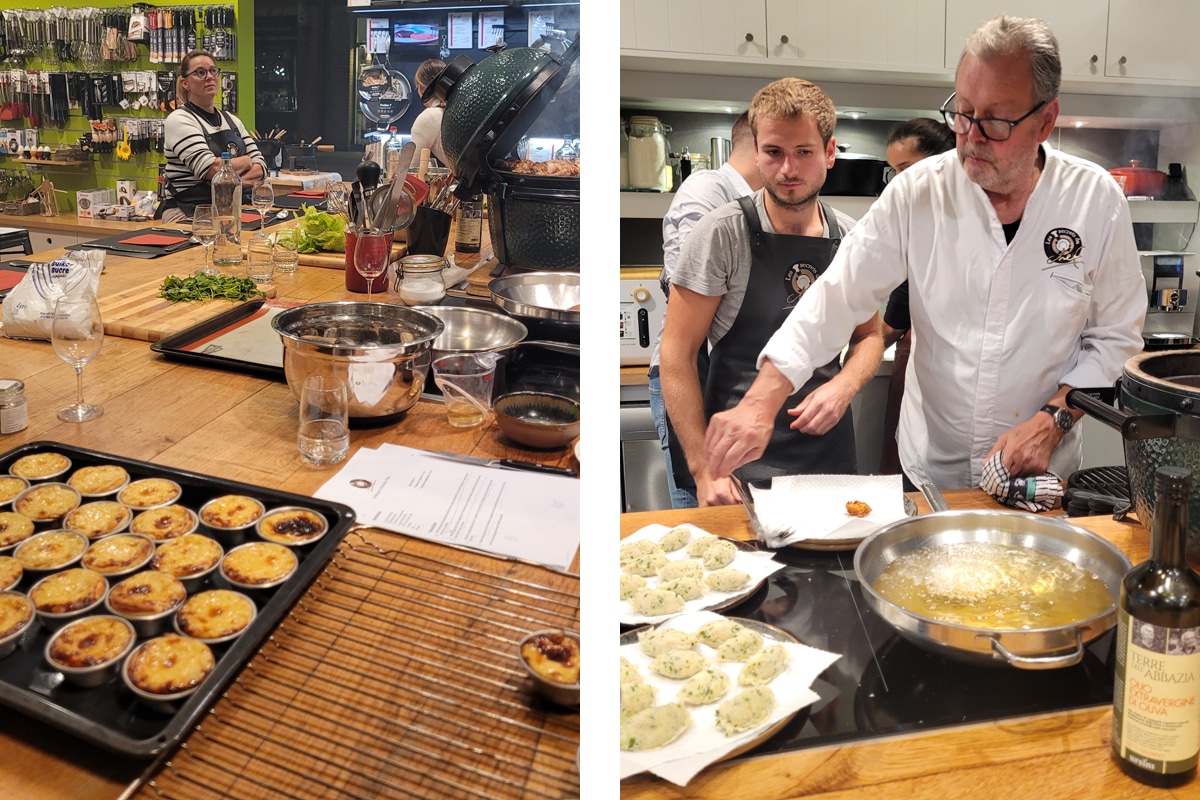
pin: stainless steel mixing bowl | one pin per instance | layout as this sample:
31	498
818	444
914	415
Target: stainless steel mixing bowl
472	330
539	295
381	351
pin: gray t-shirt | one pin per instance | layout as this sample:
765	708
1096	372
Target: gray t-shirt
715	260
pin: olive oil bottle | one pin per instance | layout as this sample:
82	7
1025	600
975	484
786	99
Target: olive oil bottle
1156	691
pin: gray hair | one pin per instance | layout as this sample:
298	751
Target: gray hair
1032	38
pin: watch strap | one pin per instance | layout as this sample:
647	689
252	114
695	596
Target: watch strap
1053	411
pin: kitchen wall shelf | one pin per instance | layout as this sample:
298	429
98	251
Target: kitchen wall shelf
51	163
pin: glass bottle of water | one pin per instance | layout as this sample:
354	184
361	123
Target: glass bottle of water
227	203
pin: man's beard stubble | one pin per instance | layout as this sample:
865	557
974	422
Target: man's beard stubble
791	204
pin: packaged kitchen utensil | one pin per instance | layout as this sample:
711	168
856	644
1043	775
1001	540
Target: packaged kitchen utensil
490	107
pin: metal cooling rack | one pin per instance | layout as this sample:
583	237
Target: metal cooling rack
395	675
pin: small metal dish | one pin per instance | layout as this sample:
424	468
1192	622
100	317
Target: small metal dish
19	465
472	330
108	490
25	551
147	625
203	597
267	526
9	566
565	694
539	295
12	640
150	493
10	487
95	674
164	703
106	543
23	503
53	620
255	587
74	519
150	522
191	580
17	528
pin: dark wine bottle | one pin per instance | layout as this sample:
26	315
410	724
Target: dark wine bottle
1156	691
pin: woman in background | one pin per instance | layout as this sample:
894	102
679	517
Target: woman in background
427	129
195	136
908	143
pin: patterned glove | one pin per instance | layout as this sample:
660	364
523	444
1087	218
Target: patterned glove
1034	493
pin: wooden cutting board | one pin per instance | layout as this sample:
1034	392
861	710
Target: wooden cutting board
338	260
139	313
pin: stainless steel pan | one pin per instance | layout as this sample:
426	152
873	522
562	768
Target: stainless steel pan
1042	648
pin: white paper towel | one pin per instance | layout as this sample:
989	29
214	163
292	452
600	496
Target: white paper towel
800	507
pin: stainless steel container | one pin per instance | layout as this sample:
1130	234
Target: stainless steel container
472	330
1038	648
381	351
719	151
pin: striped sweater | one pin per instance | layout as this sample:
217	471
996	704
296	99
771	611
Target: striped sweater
187	151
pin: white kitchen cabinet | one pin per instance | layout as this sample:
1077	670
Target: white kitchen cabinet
1081	27
865	33
1153	40
52	240
711	27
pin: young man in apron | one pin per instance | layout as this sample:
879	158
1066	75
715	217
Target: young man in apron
742	270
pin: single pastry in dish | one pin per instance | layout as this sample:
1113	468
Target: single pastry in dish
69	590
215	614
98	519
120	553
146	593
39	466
164	522
90	642
170	664
99	480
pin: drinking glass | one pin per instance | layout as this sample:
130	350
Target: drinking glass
260	267
285	255
204	231
77	334
324	433
371	255
263	197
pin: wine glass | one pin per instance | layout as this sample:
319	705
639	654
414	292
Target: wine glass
77	333
204	231
263	197
371	254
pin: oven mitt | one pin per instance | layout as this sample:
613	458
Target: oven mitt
1034	493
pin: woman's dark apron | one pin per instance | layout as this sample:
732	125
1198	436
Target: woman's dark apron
782	267
219	142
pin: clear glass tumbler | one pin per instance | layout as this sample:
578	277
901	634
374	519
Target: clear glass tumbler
260	266
323	436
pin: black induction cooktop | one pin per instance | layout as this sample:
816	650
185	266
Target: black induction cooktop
884	684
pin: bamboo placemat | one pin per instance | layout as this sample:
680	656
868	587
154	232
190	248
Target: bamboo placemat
395	675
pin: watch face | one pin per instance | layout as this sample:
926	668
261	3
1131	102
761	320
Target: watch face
1064	419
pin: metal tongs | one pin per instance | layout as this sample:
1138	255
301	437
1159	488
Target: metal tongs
743	490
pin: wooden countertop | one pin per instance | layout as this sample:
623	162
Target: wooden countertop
226	424
69	223
1063	754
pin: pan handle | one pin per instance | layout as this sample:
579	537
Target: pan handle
934	497
1113	417
1039	662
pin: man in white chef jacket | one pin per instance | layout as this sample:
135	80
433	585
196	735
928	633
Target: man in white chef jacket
1024	281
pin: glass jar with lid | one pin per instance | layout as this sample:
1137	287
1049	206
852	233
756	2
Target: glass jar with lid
14	410
647	153
421	280
624	156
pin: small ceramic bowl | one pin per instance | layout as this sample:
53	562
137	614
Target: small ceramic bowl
10	487
14	529
10	573
198	616
47	503
275	562
565	694
22	620
292	526
165	522
107	640
99	518
537	419
118	555
191	558
50	550
99	481
40	466
150	493
155	622
160	650
91	583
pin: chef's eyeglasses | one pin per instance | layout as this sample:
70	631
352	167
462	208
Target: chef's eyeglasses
203	72
996	130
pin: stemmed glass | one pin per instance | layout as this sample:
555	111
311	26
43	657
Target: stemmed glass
371	254
77	333
263	198
204	231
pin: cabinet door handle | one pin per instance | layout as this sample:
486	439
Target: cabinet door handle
1121	61
1094	59
783	39
749	37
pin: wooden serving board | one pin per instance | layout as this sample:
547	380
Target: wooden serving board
338	260
139	313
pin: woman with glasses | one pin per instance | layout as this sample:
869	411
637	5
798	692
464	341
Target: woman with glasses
197	133
1024	281
909	142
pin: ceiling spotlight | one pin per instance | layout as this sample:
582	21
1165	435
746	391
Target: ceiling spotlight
1079	123
728	109
855	114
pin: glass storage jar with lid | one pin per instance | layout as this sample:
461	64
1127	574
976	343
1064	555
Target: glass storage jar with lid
647	153
421	280
624	156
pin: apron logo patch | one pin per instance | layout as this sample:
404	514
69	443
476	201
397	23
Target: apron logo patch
799	277
1062	246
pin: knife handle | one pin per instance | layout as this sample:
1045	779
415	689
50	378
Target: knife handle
532	467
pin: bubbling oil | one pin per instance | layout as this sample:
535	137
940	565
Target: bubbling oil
993	586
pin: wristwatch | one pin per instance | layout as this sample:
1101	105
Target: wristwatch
1063	418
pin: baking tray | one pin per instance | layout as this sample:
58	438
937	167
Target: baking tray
177	346
110	716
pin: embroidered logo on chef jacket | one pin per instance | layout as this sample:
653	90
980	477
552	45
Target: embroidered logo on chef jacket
799	277
1062	246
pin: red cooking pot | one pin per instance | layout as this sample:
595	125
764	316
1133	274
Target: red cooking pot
1141	181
